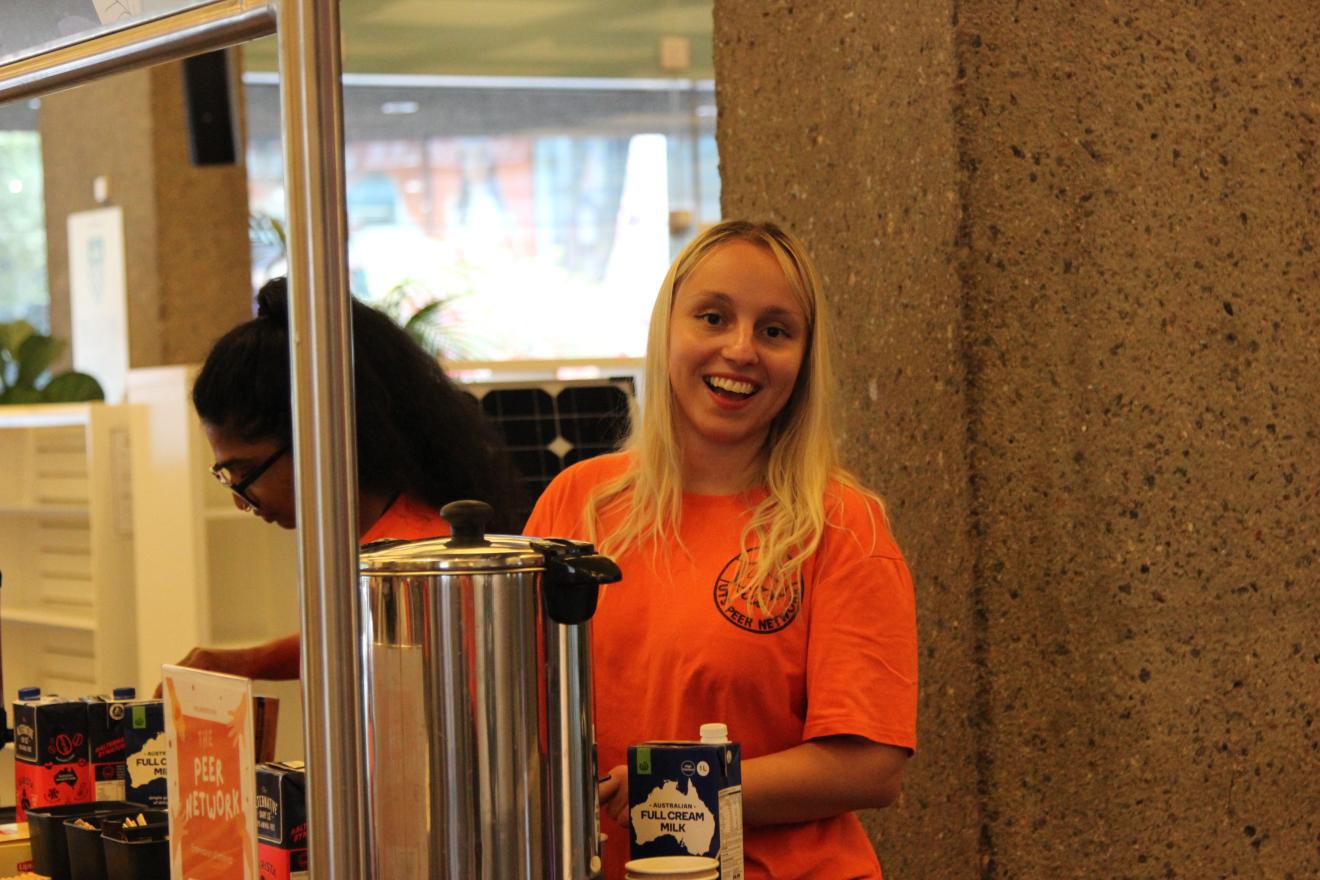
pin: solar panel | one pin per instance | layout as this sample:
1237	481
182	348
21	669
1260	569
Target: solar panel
549	425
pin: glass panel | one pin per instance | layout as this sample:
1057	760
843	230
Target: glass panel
35	26
539	210
541	213
23	291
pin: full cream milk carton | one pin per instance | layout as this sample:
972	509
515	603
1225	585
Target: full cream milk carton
144	753
685	798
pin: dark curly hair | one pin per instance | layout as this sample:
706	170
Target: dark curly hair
417	432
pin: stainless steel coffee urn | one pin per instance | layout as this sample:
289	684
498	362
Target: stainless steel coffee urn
480	753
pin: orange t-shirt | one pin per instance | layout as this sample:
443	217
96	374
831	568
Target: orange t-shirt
409	519
675	645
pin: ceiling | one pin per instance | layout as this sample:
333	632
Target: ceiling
595	39
533	38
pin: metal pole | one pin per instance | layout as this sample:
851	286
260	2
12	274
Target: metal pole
150	42
319	316
324	438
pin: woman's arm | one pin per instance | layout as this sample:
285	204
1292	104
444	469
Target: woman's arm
816	780
276	660
821	778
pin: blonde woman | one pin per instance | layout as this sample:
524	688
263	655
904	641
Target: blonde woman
761	585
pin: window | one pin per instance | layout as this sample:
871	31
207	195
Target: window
542	214
23	292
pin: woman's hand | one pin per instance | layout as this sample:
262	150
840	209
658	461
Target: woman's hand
614	794
234	661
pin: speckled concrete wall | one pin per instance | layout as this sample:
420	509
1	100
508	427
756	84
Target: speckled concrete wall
1130	549
185	227
835	119
1143	290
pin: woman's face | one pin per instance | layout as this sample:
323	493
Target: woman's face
272	490
736	339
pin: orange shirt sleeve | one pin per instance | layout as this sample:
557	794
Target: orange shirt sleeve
862	642
862	654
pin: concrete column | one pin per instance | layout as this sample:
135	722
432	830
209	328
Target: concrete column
185	226
835	118
1072	246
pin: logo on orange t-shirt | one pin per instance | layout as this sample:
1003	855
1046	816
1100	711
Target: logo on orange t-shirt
745	610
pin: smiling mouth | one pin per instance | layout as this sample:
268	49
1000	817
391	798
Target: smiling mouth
734	389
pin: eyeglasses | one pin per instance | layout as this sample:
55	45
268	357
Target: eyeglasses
225	477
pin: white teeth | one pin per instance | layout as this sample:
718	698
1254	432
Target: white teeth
730	385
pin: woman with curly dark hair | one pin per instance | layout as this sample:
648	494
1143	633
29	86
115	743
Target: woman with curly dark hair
421	443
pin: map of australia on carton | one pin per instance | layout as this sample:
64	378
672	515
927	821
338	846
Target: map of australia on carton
148	765
678	813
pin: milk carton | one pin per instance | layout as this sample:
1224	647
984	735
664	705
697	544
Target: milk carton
105	730
50	752
282	821
144	753
685	798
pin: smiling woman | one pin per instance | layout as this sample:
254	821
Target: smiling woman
737	338
761	585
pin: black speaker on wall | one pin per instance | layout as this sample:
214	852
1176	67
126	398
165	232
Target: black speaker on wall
210	111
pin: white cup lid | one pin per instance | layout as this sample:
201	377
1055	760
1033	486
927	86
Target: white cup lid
657	865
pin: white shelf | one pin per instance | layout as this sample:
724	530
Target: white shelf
71	511
67	547
51	618
47	415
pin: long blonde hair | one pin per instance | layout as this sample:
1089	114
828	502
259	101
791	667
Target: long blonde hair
786	526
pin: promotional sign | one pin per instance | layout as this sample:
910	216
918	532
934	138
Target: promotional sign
212	775
98	297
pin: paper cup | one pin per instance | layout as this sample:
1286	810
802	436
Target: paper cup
672	868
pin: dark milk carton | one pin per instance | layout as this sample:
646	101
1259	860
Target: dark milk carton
144	753
106	718
685	798
50	752
282	820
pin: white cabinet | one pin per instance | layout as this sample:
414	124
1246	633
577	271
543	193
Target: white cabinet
207	573
66	549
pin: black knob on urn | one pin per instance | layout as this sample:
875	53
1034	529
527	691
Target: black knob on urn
467	522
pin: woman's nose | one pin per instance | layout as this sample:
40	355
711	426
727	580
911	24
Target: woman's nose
740	347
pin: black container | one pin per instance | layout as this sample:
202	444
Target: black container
157	827
50	848
86	855
139	853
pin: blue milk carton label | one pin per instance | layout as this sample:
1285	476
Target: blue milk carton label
144	753
685	798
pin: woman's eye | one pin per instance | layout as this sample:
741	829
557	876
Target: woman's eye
711	318
776	332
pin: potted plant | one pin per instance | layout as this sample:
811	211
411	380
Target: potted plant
25	377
